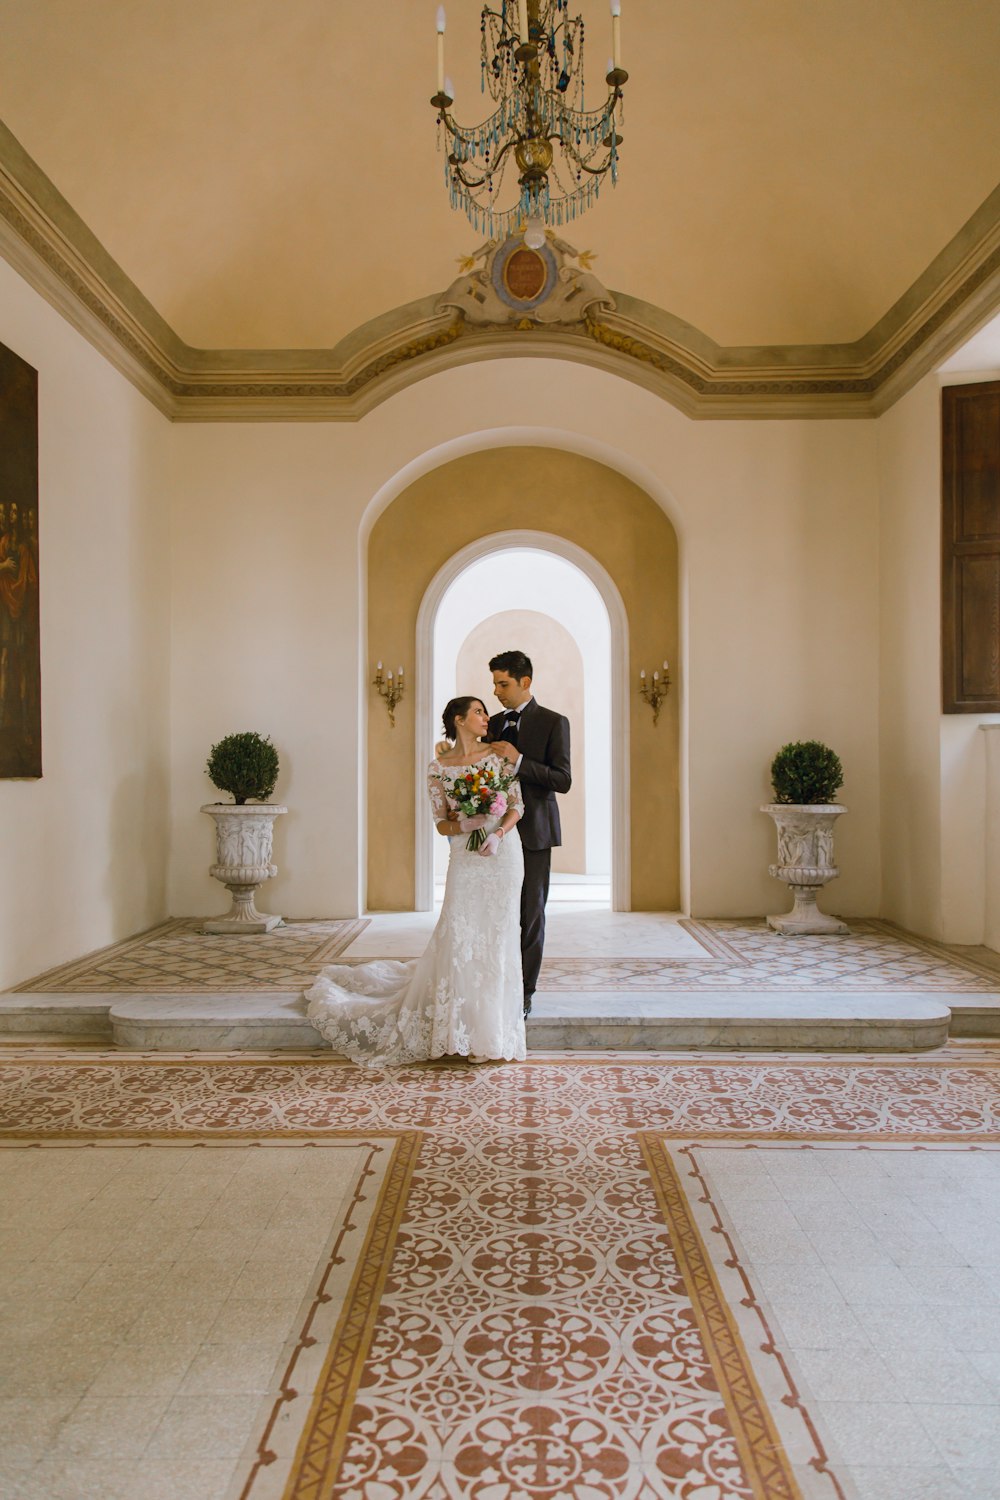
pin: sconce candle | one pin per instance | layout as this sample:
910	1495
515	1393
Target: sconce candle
616	33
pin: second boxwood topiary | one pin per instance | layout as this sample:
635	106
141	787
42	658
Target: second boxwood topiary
245	765
806	772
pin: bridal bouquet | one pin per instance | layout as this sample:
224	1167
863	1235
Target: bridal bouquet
481	792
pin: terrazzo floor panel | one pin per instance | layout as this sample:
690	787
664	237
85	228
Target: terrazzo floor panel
573	931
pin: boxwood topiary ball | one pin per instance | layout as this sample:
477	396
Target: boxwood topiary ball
245	765
806	772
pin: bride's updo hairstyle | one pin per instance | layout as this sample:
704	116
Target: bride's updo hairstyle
457	708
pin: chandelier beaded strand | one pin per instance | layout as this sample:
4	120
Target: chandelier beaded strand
532	63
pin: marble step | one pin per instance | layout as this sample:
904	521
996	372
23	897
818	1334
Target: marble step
974	1014
737	1020
725	1020
69	1013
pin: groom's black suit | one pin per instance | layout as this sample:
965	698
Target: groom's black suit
542	740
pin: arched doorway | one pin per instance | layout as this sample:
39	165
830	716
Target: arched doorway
573	501
615	699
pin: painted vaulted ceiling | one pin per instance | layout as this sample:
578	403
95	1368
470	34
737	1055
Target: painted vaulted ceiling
266	176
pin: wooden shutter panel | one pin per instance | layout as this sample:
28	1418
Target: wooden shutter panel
970	552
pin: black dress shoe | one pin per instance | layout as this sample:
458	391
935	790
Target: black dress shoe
527	1005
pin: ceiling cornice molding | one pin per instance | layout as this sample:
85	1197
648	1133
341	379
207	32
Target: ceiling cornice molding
47	242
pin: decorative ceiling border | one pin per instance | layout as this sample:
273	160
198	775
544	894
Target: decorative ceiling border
47	242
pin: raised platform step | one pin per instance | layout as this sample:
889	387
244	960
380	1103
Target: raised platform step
741	1020
731	1020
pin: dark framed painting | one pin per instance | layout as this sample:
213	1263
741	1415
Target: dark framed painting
20	653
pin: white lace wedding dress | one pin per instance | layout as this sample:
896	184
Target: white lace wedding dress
465	995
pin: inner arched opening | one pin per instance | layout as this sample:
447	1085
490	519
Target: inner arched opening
532	600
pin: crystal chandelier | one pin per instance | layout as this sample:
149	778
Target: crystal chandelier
533	65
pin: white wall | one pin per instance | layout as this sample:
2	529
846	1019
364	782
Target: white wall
85	848
778	528
539	580
991	934
933	779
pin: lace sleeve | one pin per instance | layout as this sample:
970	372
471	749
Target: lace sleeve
436	792
515	801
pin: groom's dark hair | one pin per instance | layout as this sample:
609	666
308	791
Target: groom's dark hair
514	663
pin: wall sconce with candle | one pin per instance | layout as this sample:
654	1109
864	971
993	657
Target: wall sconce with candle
655	693
390	690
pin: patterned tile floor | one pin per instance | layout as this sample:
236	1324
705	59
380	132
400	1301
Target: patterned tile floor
544	1307
748	955
177	958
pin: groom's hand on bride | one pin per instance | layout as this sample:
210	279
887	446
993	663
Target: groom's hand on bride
506	749
469	825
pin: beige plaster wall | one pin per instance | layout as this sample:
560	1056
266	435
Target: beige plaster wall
265	557
559	684
779	618
85	848
933	779
510	489
910	699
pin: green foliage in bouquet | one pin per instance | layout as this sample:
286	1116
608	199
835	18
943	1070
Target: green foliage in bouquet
246	765
806	771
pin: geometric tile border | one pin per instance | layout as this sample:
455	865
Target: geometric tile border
712	937
327	1363
773	1360
762	1453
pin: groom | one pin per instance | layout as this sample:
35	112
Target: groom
536	742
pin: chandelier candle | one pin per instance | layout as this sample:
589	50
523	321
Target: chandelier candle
440	30
562	151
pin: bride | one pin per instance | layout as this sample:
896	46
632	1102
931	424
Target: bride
465	995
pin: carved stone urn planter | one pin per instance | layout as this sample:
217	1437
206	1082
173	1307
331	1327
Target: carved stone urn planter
244	835
805	863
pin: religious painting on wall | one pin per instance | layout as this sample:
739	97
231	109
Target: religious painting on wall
20	655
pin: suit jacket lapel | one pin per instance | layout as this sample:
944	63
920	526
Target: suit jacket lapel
525	735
